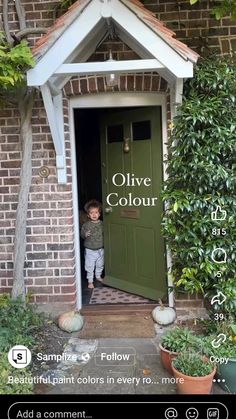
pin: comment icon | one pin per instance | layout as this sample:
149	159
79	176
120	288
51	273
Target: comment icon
219	255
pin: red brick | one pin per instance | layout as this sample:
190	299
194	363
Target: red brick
68	290
40	281
84	86
75	87
10	164
41	290
70	298
92	85
61	280
155	83
40	298
147	82
130	82
139	83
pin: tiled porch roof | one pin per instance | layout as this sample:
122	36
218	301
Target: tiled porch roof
146	16
160	29
59	27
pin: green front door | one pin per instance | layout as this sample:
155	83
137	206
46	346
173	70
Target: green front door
131	156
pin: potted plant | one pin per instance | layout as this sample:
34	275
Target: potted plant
194	373
176	340
226	355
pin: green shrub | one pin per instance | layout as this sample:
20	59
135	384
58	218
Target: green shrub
19	325
192	364
180	339
201	169
7	370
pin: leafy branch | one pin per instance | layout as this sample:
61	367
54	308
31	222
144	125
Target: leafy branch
225	8
14	61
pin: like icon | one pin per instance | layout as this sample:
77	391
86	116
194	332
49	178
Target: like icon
218	214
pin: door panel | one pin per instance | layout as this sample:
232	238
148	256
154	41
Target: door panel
117	242
145	267
134	247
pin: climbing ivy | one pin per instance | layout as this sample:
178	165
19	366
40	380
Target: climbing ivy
222	8
66	3
201	169
14	61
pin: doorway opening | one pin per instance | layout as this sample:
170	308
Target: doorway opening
89	178
88	161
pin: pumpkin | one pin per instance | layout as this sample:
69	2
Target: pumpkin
72	321
163	315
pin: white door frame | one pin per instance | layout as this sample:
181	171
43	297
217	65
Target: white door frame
109	100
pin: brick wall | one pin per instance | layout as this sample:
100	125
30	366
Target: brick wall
50	257
195	25
151	82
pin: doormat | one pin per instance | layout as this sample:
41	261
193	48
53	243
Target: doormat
107	295
117	326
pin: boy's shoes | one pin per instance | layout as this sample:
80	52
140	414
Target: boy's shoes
90	285
99	279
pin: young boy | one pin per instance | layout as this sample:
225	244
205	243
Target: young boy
92	233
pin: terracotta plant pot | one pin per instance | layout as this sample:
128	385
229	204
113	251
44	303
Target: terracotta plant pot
193	385
166	358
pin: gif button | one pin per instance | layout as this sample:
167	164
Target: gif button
115	356
213	413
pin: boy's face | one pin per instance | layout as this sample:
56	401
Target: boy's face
94	214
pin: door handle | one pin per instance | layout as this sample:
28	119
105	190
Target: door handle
126	145
108	210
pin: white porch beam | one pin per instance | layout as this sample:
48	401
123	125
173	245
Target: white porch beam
54	109
179	84
83	27
80	54
176	96
53	88
104	67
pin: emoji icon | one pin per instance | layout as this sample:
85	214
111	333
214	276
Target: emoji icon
221	338
219	255
219	298
171	413
192	413
218	214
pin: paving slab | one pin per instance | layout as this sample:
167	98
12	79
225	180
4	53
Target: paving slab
114	366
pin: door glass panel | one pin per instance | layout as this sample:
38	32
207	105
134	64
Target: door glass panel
115	133
141	130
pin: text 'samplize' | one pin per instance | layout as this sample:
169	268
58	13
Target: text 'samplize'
119	180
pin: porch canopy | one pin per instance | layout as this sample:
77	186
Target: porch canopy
64	50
